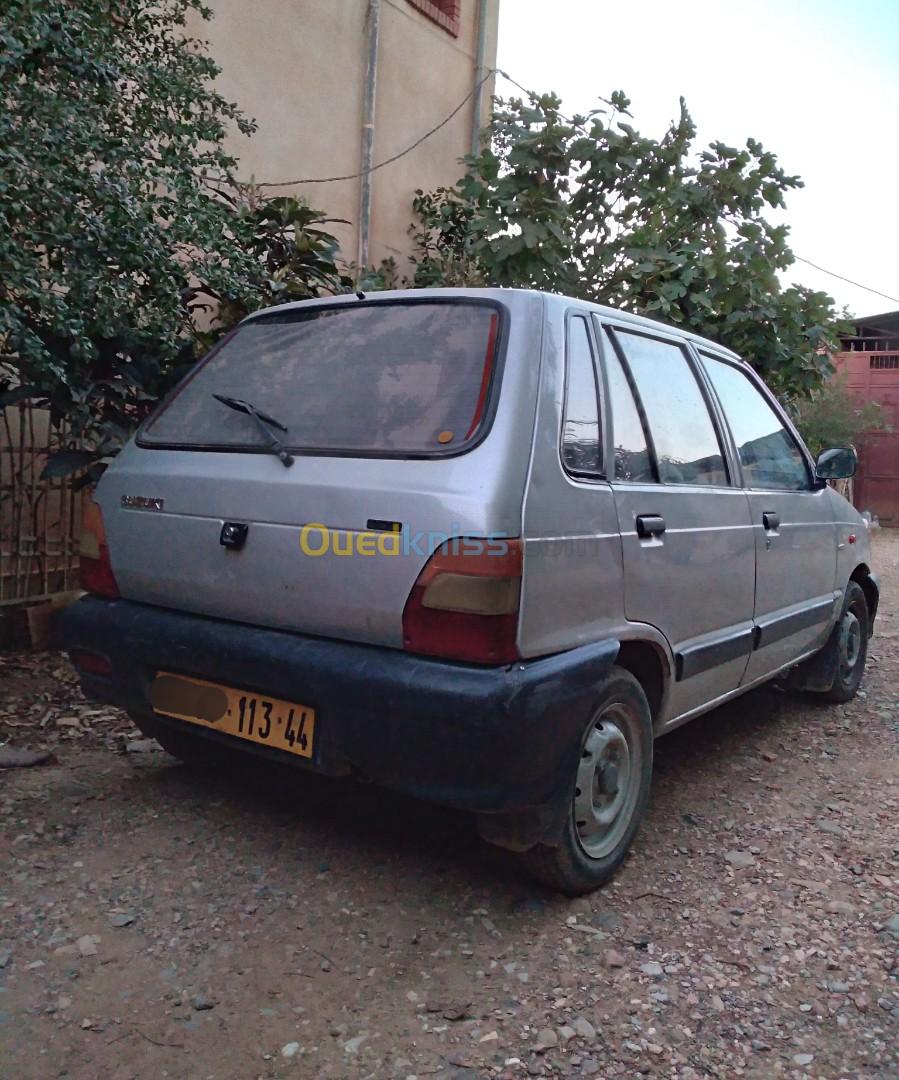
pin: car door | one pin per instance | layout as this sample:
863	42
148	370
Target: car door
795	532
686	533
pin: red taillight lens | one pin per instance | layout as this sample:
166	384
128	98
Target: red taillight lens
96	663
96	570
464	605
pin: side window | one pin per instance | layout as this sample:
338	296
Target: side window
632	460
768	452
580	431
683	434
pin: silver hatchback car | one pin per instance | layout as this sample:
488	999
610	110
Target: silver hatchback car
477	545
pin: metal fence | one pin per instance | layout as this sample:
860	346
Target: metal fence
40	520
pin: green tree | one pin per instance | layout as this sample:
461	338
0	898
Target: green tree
832	416
590	207
121	231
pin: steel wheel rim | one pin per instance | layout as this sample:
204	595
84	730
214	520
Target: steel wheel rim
607	785
850	644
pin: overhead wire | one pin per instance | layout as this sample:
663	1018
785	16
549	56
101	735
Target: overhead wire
849	281
395	157
437	127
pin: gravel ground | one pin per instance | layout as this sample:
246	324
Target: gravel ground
158	921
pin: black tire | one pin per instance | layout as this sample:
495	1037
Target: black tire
846	651
582	860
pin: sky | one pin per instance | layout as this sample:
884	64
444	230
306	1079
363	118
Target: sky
816	81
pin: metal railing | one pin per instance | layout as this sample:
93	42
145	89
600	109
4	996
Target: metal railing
40	520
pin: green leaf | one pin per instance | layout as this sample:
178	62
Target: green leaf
65	462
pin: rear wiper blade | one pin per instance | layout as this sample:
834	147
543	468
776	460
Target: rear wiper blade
267	424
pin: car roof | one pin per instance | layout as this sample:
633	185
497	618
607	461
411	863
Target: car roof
506	296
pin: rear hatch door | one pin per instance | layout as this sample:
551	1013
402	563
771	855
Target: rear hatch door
386	406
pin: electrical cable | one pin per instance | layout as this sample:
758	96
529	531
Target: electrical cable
433	131
395	157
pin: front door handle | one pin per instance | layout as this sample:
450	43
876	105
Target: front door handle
649	525
771	521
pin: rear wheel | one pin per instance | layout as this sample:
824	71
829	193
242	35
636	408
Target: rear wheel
607	795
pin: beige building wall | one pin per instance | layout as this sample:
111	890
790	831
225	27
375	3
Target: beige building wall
298	68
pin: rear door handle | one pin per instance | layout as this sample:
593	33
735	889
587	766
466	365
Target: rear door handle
771	521
650	525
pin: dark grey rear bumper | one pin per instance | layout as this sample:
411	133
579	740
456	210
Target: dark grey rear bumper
490	740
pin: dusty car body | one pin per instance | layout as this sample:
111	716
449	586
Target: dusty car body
479	545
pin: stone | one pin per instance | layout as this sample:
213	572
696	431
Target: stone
546	1040
614	959
121	919
652	968
351	1046
892	925
584	1028
87	946
142	746
840	907
202	1003
831	827
288	1050
456	1011
17	757
740	860
803	1059
566	1033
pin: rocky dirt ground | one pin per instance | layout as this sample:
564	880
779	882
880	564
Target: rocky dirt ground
158	921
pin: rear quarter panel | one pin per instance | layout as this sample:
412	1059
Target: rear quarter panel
572	592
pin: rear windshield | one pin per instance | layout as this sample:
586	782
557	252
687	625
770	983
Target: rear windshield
400	378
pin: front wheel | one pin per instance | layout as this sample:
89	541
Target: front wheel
846	650
607	795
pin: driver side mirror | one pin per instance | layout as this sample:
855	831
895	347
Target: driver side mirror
836	463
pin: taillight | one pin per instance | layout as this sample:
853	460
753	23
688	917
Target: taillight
464	605
96	570
95	663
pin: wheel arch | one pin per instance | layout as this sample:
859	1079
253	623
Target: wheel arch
649	665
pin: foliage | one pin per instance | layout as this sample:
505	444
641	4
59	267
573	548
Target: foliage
292	257
589	207
119	226
831	416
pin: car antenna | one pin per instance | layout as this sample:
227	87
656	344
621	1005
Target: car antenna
360	295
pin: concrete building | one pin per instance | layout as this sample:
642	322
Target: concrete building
869	363
336	85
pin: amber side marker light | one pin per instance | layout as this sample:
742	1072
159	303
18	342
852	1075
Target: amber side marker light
97	577
465	607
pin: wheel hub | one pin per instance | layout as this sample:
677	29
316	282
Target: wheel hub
605	785
850	643
607	779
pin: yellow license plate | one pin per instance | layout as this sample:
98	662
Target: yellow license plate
245	715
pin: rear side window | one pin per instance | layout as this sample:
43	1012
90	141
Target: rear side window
683	434
632	460
395	378
768	452
580	432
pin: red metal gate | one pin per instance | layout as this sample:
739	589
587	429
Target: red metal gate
874	376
